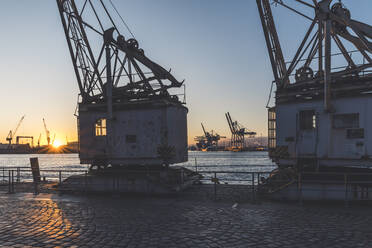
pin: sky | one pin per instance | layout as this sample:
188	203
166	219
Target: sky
217	46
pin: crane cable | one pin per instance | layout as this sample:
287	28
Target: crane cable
125	24
271	91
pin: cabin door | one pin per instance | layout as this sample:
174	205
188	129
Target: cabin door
307	133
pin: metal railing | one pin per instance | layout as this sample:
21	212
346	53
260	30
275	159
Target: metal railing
10	176
250	180
353	186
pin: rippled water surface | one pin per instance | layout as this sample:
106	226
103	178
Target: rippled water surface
241	161
230	161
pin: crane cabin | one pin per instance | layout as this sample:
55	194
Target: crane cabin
322	114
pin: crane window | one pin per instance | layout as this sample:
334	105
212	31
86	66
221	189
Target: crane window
356	133
346	121
101	127
131	138
307	120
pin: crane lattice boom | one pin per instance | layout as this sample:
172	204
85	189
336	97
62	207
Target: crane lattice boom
331	32
13	133
238	132
107	64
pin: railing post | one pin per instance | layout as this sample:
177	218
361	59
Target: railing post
215	186
85	181
12	181
182	176
196	166
9	183
346	191
300	188
18	174
60	177
253	187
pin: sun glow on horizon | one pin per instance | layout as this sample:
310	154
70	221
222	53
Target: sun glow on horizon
57	144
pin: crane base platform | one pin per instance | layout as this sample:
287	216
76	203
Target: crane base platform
161	181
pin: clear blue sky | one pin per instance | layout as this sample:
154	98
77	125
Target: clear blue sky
216	45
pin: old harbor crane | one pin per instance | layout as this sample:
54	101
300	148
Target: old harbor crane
126	116
12	134
323	95
209	141
238	133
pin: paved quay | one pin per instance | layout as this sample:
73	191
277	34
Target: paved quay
51	220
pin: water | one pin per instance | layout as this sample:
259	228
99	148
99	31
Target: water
46	161
226	161
230	163
202	161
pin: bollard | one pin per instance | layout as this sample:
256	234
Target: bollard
35	174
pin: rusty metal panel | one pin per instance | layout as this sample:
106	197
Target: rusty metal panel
137	134
349	140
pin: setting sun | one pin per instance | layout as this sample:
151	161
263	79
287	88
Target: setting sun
57	144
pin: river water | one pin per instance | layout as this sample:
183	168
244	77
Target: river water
201	161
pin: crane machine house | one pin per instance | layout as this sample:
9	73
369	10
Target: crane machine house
321	116
127	115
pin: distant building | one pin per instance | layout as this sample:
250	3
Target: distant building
73	145
3	146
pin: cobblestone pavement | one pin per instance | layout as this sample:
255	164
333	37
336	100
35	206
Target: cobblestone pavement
52	220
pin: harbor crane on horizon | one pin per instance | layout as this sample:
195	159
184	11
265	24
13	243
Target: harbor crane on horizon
54	139
12	134
238	133
47	132
38	140
209	141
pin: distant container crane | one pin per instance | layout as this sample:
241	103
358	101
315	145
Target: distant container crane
208	142
47	132
238	133
12	134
